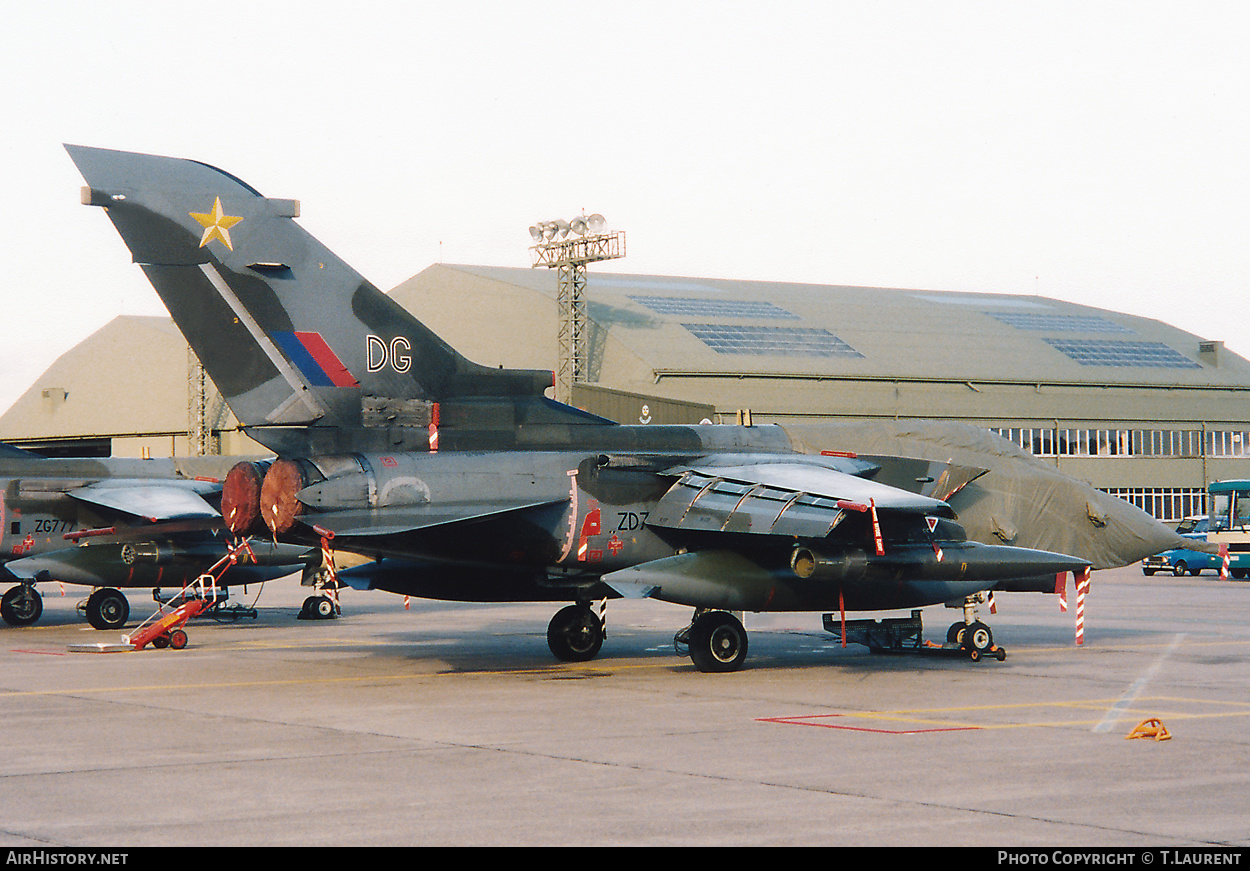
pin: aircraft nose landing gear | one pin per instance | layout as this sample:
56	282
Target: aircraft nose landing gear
972	635
978	640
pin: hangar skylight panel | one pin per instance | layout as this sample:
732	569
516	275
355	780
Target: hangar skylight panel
773	341
746	338
1120	353
1148	355
714	308
1052	323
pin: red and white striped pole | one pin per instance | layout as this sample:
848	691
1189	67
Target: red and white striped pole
434	428
1224	562
1082	589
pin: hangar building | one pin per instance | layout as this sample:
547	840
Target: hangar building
1135	406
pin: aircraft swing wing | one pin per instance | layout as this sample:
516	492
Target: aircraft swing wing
152	500
903	548
803	500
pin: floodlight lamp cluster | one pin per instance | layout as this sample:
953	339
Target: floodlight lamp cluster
582	225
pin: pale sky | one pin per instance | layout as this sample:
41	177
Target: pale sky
1090	151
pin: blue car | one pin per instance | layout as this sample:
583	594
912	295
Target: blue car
1179	560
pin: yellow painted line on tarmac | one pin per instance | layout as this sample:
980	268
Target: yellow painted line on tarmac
924	720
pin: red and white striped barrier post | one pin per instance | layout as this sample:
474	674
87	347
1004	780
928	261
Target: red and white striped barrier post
1082	589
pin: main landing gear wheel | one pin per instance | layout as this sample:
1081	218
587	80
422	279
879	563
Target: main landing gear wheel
575	634
323	604
107	609
318	608
717	642
21	605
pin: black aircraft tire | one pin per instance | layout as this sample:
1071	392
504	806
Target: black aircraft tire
718	643
317	608
955	635
575	634
108	609
978	637
21	606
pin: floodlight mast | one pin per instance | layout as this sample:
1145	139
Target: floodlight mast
200	438
567	246
197	406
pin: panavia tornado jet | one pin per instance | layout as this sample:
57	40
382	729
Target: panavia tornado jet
114	524
468	483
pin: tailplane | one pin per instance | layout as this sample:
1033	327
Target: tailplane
308	354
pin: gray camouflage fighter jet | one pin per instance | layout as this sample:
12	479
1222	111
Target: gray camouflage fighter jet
467	483
113	524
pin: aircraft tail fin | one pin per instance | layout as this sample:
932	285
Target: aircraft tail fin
292	336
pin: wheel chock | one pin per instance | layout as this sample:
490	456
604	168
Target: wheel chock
1150	728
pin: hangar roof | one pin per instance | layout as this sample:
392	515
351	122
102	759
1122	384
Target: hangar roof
130	377
760	328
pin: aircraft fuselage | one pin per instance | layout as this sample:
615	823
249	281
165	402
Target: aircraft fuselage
552	525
